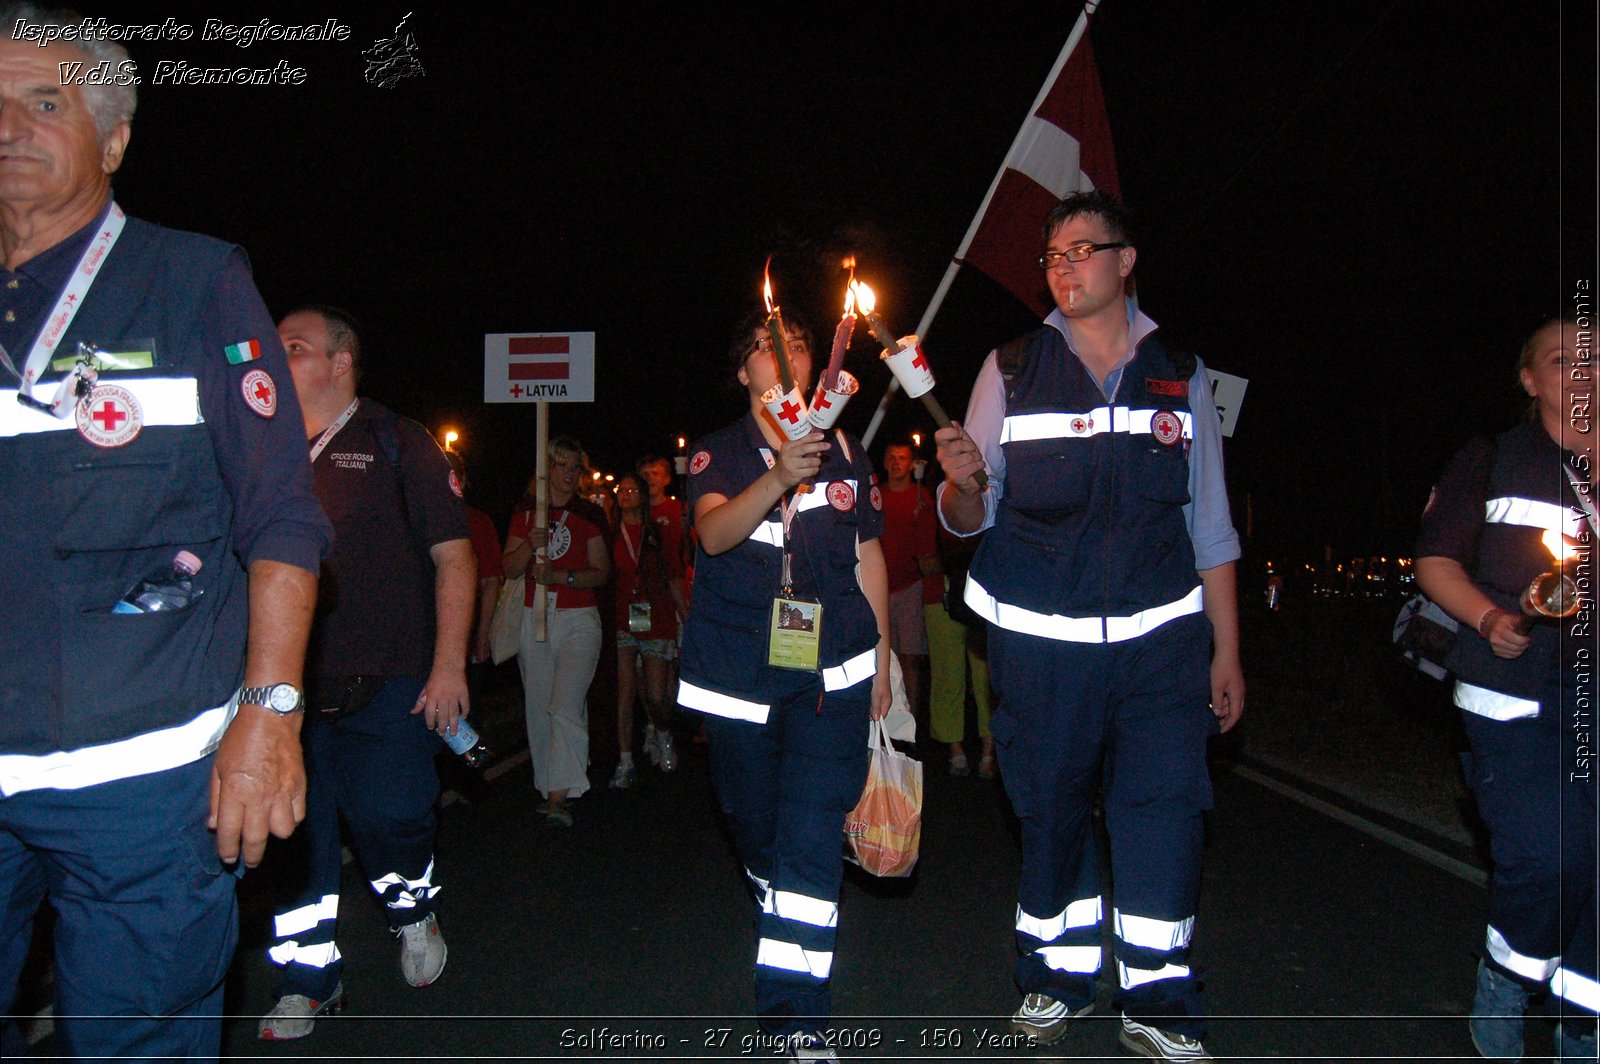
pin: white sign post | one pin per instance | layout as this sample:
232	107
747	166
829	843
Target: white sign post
539	368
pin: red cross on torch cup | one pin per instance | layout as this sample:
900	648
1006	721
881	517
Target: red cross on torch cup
867	303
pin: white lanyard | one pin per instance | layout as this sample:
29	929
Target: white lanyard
66	308
332	430
633	553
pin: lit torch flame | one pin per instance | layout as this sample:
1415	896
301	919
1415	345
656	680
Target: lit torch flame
766	284
1560	548
849	301
865	300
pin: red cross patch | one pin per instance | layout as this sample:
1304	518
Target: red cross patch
109	416
1166	427
841	496
698	463
260	394
1081	425
875	497
455	483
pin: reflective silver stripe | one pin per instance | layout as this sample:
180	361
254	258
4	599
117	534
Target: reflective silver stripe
1578	989
1538	969
412	891
1531	513
1139	421
297	921
787	905
157	751
1085	912
162	401
790	957
1495	706
1150	933
768	532
818	495
317	955
1084	960
692	697
1132	977
863	666
1021	428
1078	629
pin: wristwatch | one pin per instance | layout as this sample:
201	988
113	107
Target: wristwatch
572	578
282	698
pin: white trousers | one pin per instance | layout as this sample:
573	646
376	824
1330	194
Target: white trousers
555	683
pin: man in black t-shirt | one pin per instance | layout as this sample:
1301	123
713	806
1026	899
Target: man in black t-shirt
386	668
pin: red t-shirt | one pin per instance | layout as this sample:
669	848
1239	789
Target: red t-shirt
485	544
645	580
908	534
570	536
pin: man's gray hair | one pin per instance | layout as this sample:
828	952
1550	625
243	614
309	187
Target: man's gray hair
110	104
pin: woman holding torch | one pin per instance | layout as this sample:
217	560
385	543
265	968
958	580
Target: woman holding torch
785	652
1496	521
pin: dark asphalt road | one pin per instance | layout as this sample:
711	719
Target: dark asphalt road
1315	941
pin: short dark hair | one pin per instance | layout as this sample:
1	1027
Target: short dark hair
1098	202
344	331
744	335
649	460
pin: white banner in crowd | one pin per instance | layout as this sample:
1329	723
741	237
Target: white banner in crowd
528	367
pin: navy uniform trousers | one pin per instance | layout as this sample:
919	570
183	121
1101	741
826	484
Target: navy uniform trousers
1542	823
375	768
1137	712
785	787
146	915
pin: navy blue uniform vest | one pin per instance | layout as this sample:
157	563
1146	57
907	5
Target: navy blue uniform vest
1527	469
88	521
725	638
1091	521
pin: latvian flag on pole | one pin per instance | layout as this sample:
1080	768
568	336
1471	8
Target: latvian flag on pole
1063	147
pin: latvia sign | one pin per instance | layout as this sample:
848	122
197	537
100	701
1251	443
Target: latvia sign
529	367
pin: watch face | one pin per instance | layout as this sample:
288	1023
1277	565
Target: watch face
283	698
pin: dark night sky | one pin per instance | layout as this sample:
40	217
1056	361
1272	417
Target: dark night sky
1361	207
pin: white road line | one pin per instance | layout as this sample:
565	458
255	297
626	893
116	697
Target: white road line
1442	861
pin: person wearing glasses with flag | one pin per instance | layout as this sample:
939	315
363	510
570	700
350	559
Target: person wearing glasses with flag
1107	580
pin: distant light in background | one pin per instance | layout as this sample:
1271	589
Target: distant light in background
450	437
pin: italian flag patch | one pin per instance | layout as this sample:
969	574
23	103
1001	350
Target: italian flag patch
243	351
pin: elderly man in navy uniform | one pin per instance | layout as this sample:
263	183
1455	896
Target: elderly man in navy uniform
144	413
386	671
1108	584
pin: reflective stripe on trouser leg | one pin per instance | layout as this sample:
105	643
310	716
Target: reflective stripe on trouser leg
305	935
786	786
1048	730
1157	789
405	898
387	786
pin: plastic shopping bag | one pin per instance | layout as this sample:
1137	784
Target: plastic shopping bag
505	628
883	833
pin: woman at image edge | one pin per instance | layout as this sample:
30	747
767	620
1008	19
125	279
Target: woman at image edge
1480	547
788	748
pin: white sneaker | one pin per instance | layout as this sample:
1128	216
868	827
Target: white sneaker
669	754
1152	1042
624	777
1044	1019
422	951
295	1014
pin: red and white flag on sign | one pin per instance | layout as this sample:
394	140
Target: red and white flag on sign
1063	147
543	368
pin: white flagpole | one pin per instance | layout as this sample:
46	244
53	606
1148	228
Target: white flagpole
1078	30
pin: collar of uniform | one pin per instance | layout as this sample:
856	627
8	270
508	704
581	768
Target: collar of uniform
1140	326
49	269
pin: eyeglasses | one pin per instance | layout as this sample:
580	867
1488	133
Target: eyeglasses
765	344
1076	253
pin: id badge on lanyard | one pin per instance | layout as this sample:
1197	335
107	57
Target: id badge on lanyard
794	632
